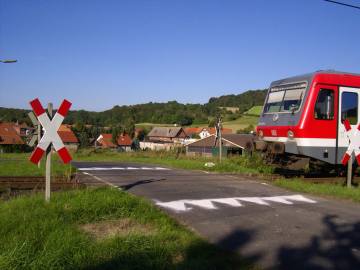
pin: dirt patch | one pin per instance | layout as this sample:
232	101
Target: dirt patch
119	227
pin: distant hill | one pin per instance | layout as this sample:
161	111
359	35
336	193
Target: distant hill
171	112
244	101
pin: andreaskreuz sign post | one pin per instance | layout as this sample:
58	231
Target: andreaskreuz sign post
50	137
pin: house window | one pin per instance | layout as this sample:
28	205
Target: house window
349	107
324	106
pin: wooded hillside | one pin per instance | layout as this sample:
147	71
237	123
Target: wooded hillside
171	112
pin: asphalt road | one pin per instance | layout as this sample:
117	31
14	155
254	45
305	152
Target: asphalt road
272	227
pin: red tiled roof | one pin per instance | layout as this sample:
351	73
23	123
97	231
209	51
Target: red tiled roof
105	140
8	134
192	130
213	130
124	140
67	135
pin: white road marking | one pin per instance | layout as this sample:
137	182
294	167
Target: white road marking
123	168
182	205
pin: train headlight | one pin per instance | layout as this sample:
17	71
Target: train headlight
261	134
290	134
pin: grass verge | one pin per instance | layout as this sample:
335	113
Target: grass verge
18	164
331	190
237	164
62	234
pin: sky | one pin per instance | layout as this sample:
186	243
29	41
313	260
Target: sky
102	53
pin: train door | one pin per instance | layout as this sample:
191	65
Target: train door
348	109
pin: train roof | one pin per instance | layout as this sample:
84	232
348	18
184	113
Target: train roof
309	76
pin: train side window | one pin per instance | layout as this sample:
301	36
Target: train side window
349	107
324	107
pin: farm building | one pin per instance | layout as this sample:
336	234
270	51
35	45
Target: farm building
167	134
71	142
209	146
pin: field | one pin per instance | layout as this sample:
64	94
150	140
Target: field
18	164
256	110
242	122
101	228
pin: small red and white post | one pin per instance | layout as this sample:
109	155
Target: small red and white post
354	147
50	138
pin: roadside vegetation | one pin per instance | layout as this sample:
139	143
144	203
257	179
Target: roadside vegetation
18	164
326	189
101	228
236	164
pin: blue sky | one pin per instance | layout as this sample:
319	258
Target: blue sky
101	53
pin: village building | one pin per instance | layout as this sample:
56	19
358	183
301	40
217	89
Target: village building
236	144
105	141
123	142
167	134
206	132
68	137
9	137
23	130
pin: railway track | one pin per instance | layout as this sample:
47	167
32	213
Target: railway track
27	183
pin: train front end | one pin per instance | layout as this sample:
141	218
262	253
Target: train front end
280	121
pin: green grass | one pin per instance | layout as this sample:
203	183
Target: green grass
256	110
248	165
331	190
39	235
242	122
18	164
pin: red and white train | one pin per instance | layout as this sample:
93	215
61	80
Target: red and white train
302	116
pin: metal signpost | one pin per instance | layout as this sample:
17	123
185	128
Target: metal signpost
354	147
51	138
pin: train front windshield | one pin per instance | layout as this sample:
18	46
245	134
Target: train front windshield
285	98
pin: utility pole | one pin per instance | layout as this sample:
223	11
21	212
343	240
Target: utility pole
219	136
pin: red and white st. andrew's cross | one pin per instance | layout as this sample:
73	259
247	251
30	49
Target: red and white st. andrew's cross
354	146
50	127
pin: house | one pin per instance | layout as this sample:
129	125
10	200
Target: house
167	134
206	132
123	142
9	137
232	144
105	141
68	137
23	130
192	132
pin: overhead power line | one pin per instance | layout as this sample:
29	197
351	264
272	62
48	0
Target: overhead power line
343	4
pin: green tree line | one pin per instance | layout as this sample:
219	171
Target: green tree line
171	112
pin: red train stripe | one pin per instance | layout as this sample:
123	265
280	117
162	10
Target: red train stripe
64	155
36	155
64	107
37	107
